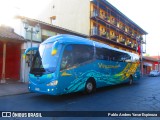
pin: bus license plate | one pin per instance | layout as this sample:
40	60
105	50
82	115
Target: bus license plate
37	89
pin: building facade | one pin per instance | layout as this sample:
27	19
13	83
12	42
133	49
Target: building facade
109	25
98	19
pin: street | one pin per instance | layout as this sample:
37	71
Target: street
143	95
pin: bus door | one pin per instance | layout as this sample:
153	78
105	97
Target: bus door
67	74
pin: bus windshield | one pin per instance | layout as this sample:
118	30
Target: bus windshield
44	61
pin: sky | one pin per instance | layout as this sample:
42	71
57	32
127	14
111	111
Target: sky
144	13
29	8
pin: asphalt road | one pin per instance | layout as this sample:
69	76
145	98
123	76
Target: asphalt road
143	95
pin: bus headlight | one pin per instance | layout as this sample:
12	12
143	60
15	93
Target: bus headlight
53	83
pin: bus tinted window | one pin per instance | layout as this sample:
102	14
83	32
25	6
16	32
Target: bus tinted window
76	54
111	55
102	53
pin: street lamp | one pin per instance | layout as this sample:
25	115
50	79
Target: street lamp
31	29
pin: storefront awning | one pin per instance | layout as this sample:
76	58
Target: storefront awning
147	64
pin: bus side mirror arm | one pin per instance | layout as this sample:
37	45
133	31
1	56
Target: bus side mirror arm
28	50
54	48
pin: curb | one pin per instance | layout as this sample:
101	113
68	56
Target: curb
9	89
14	94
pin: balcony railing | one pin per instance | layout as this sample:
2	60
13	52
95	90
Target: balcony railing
129	44
94	14
100	33
134	46
95	31
103	35
139	39
102	16
122	41
130	32
126	29
114	23
107	18
115	38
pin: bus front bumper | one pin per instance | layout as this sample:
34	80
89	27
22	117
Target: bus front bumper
50	90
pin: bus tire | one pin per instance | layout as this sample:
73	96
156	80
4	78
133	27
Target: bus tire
130	80
90	86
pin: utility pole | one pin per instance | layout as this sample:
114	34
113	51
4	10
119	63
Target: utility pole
158	62
141	57
139	49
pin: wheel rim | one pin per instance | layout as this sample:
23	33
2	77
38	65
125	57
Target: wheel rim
89	87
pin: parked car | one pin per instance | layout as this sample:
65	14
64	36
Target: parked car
154	73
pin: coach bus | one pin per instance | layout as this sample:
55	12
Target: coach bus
65	64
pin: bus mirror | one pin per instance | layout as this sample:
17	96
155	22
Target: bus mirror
54	48
28	50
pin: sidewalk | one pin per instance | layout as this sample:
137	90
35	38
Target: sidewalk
13	88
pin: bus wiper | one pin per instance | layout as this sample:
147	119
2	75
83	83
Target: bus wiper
42	70
50	71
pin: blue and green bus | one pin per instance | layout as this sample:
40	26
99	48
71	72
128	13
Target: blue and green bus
65	64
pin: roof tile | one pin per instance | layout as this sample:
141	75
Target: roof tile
8	33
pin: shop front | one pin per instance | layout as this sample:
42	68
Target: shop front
149	63
10	55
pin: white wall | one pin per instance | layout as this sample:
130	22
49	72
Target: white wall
18	27
70	14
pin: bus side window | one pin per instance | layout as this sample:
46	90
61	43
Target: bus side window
82	53
102	54
76	54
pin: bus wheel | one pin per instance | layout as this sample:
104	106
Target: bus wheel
90	86
130	80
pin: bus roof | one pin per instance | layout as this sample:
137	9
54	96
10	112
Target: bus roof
64	38
71	39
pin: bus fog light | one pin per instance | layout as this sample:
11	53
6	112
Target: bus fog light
53	83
